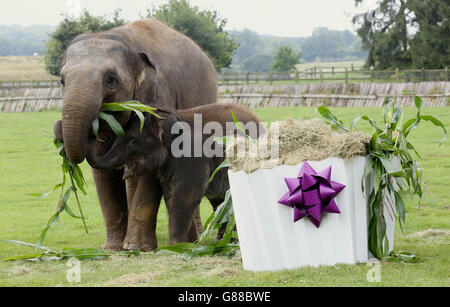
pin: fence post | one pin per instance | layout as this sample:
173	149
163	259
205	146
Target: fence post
423	74
321	76
13	84
346	75
296	76
271	77
332	71
223	77
247	77
397	76
371	73
353	68
446	74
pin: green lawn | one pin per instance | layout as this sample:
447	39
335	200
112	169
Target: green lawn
28	165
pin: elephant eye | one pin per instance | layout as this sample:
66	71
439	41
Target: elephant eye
62	82
111	81
131	144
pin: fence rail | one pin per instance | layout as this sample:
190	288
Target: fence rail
434	94
29	84
311	75
343	75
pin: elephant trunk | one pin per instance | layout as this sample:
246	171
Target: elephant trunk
81	107
115	157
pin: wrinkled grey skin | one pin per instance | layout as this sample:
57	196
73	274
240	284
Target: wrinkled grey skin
144	61
184	180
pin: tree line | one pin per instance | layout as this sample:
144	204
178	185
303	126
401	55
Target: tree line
398	33
258	53
406	34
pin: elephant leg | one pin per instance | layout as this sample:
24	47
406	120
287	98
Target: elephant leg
198	221
182	227
216	202
113	202
144	199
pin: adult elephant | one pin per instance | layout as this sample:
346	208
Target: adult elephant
145	61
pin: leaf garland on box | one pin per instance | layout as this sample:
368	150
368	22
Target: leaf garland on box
390	171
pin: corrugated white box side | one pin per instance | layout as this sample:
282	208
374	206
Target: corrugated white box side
270	240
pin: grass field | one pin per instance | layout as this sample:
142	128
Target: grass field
28	165
23	68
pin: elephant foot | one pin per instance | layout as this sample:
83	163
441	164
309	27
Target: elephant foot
139	245
140	237
113	245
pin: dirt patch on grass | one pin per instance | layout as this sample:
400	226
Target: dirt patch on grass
432	233
19	270
222	271
133	279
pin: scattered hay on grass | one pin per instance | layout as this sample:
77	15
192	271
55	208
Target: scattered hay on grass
221	271
430	233
297	140
19	270
133	279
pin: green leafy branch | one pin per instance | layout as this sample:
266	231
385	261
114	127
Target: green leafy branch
47	254
73	171
225	246
391	169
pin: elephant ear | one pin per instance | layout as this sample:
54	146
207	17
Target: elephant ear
146	80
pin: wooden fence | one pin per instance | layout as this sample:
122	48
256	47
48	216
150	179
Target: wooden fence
29	84
311	75
434	94
335	75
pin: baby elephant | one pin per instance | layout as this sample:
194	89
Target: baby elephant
180	153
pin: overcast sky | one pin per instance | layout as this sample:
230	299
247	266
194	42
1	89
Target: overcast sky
276	17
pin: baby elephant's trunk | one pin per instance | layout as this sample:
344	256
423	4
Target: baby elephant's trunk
114	158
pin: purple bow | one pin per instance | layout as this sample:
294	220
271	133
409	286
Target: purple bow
311	194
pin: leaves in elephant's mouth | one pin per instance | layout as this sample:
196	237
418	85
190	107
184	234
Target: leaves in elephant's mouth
133	106
72	174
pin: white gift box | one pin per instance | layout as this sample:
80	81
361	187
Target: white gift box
270	240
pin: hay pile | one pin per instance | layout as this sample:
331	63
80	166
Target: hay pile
297	140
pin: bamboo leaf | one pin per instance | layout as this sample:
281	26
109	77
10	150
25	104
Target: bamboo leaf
36	246
328	116
112	122
418	102
222	165
437	123
238	124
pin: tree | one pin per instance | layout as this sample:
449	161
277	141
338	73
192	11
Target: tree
430	47
257	63
23	40
250	44
205	28
384	33
71	27
331	45
405	33
285	59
